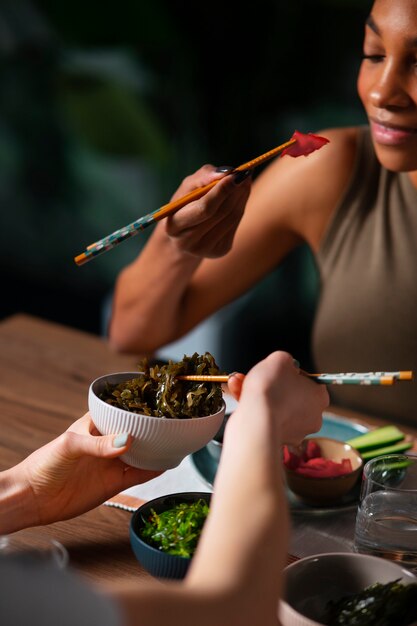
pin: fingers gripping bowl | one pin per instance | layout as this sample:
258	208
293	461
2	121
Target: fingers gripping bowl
159	443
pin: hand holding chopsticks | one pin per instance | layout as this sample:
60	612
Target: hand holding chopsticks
348	378
112	240
299	144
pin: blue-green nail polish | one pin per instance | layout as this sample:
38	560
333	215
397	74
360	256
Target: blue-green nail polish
121	440
296	363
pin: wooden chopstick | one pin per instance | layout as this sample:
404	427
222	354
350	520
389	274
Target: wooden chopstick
218	378
112	240
349	378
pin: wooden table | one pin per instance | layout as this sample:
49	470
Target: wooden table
45	373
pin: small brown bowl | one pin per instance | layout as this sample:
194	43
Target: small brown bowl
323	491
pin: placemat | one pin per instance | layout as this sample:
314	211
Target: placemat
184	477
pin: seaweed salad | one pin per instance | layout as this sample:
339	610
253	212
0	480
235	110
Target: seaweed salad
392	604
156	391
177	530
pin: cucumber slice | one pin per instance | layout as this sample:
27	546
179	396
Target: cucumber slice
384	436
394	449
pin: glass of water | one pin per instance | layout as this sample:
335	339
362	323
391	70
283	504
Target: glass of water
30	546
386	521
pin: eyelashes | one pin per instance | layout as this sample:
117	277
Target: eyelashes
373	58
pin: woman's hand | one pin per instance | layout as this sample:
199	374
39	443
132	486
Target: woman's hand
75	472
296	401
206	227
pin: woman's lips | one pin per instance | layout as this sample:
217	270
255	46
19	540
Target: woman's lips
390	136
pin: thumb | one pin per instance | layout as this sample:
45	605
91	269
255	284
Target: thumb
104	446
235	383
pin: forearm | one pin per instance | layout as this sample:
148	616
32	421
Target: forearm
148	296
17	509
247	529
243	547
177	605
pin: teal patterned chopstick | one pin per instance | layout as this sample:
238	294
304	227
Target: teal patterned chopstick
343	378
364	378
112	240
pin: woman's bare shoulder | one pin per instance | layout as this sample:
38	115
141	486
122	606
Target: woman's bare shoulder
329	171
310	188
341	149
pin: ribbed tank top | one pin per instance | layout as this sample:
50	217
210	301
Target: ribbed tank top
367	312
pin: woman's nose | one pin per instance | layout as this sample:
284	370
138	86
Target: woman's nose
390	89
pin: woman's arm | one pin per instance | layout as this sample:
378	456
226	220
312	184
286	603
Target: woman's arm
150	293
213	250
45	487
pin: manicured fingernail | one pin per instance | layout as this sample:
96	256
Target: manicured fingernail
296	363
121	440
224	169
239	177
232	374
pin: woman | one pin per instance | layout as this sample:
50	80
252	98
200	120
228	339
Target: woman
353	203
239	558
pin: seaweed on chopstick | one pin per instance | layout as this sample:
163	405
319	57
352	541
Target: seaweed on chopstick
157	391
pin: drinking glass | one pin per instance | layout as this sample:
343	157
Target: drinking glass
34	546
386	520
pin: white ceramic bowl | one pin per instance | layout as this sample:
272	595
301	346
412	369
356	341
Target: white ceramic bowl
310	583
159	443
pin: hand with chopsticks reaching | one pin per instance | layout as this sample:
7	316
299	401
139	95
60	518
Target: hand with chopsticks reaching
151	305
206	227
203	229
296	401
299	144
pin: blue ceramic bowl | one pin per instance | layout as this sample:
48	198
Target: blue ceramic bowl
158	563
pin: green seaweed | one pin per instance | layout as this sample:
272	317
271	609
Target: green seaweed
390	604
176	531
156	391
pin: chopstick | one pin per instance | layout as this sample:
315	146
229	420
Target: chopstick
112	240
349	378
365	378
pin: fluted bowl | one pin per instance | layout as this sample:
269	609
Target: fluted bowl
159	443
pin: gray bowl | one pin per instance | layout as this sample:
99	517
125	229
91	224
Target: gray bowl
310	583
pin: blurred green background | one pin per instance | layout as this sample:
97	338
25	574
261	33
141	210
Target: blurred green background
105	107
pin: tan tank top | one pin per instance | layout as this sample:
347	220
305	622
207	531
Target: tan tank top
367	313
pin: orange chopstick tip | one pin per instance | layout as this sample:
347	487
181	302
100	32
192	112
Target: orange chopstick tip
406	375
387	380
80	259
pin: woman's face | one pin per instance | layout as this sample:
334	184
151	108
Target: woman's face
387	82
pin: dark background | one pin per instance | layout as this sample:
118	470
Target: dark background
105	107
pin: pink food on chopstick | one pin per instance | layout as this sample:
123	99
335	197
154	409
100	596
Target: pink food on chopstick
305	144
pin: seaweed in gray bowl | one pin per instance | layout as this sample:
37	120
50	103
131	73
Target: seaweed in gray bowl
390	604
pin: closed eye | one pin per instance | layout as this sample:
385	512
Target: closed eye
373	58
